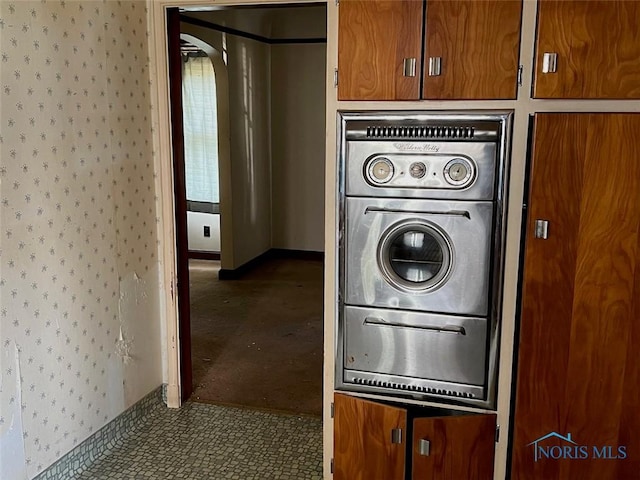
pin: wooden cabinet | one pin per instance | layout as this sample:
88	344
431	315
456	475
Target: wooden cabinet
374	39
363	443
460	447
597	45
370	442
578	383
471	49
478	42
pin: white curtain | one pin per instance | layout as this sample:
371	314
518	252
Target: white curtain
200	129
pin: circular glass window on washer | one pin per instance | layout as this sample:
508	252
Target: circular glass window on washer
415	256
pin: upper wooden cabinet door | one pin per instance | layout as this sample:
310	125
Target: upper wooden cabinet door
363	446
478	42
578	385
460	447
597	45
374	39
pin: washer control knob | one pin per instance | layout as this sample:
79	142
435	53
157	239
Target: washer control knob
459	172
417	169
380	170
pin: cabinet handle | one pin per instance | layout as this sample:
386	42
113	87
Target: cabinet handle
542	229
424	447
396	435
549	62
409	67
435	66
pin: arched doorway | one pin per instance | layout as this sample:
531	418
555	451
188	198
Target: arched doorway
207	156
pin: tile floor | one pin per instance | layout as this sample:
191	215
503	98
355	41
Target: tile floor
212	442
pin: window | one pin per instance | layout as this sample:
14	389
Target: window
200	129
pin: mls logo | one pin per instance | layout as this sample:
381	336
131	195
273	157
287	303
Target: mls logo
571	450
555	452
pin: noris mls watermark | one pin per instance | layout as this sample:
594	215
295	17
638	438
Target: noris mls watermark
572	450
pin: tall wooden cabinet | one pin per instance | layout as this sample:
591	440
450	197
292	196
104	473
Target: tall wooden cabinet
578	383
471	49
592	49
380	441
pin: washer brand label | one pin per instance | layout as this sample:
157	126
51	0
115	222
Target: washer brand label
417	147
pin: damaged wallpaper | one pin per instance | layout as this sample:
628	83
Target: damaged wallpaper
79	314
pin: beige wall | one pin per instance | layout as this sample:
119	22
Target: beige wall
196	221
249	100
298	143
80	316
254	20
299	22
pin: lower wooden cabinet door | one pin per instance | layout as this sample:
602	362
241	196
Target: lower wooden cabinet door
454	448
368	440
370	443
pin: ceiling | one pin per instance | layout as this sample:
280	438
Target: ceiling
302	21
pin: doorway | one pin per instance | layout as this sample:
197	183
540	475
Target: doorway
255	316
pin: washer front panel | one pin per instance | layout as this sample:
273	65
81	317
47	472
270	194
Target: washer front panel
466	228
420	170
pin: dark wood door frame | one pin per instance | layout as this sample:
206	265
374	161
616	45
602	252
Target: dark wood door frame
180	205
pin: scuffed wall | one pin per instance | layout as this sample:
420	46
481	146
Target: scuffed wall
79	312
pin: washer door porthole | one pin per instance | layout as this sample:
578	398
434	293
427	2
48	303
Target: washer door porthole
415	256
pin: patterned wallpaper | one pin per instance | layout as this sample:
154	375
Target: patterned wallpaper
79	312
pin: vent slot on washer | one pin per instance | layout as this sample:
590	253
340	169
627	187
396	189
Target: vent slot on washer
411	388
413	131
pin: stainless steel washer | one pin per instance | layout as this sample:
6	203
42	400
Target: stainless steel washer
420	260
424	255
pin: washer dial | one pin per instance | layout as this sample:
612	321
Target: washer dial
459	172
417	169
380	170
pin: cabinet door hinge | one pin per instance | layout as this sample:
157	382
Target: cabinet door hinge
335	77
333	409
520	70
337	3
332	465
497	433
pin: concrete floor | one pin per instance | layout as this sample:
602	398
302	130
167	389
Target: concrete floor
257	341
